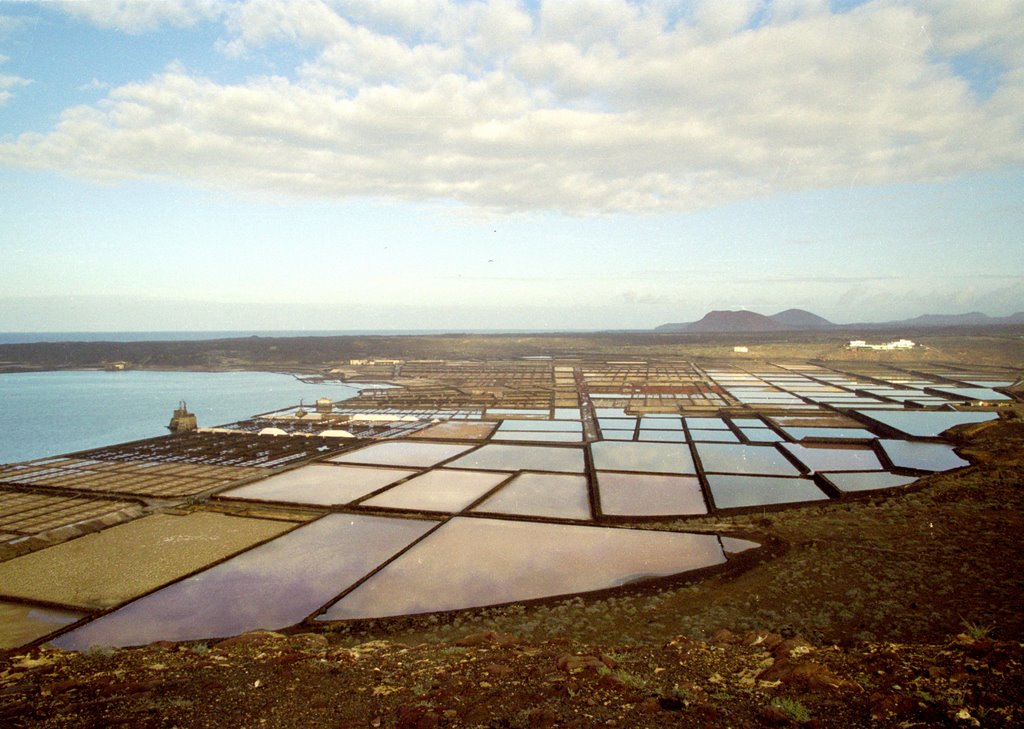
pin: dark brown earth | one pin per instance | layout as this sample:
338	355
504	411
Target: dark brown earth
996	345
894	610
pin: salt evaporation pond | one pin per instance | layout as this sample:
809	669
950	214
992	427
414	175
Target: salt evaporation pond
744	459
476	562
442	490
871	481
735	492
402	453
925	423
494	457
272	586
548	495
320	484
649	457
643	494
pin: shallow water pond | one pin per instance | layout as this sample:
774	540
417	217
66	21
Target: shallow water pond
472	562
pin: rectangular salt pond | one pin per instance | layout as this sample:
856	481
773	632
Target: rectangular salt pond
643	494
472	562
643	457
706	424
846	402
526	436
974	393
561	426
21	624
661	423
498	457
761	435
272	586
921	456
827	433
542	495
402	453
617	423
713	436
925	424
617	434
662	436
735	492
455	430
320	484
738	458
834	459
517	413
439	490
112	566
854	482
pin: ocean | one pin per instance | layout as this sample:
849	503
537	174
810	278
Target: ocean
50	413
29	337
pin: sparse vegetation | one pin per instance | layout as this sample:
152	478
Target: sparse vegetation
976	631
793	708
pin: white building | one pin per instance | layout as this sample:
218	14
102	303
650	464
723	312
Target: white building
895	344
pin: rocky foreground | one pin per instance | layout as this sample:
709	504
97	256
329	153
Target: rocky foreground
494	680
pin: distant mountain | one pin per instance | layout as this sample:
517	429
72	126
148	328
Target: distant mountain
727	321
735	321
970	319
801	320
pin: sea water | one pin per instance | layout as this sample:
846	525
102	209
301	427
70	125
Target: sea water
50	413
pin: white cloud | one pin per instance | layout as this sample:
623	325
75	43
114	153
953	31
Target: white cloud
8	82
139	16
586	106
993	28
95	85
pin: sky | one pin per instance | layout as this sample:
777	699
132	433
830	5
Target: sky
492	164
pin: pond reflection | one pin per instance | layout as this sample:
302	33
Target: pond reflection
542	494
733	492
925	424
402	453
320	484
835	459
853	482
272	586
921	456
439	490
636	494
650	457
471	562
495	457
737	458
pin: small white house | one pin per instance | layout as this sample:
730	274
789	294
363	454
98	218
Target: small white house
896	344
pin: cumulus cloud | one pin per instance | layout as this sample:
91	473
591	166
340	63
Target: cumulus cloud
8	82
582	106
139	16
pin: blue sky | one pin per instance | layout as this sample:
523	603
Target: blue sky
581	164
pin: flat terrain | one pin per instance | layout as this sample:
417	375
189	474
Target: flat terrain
988	346
892	611
888	608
